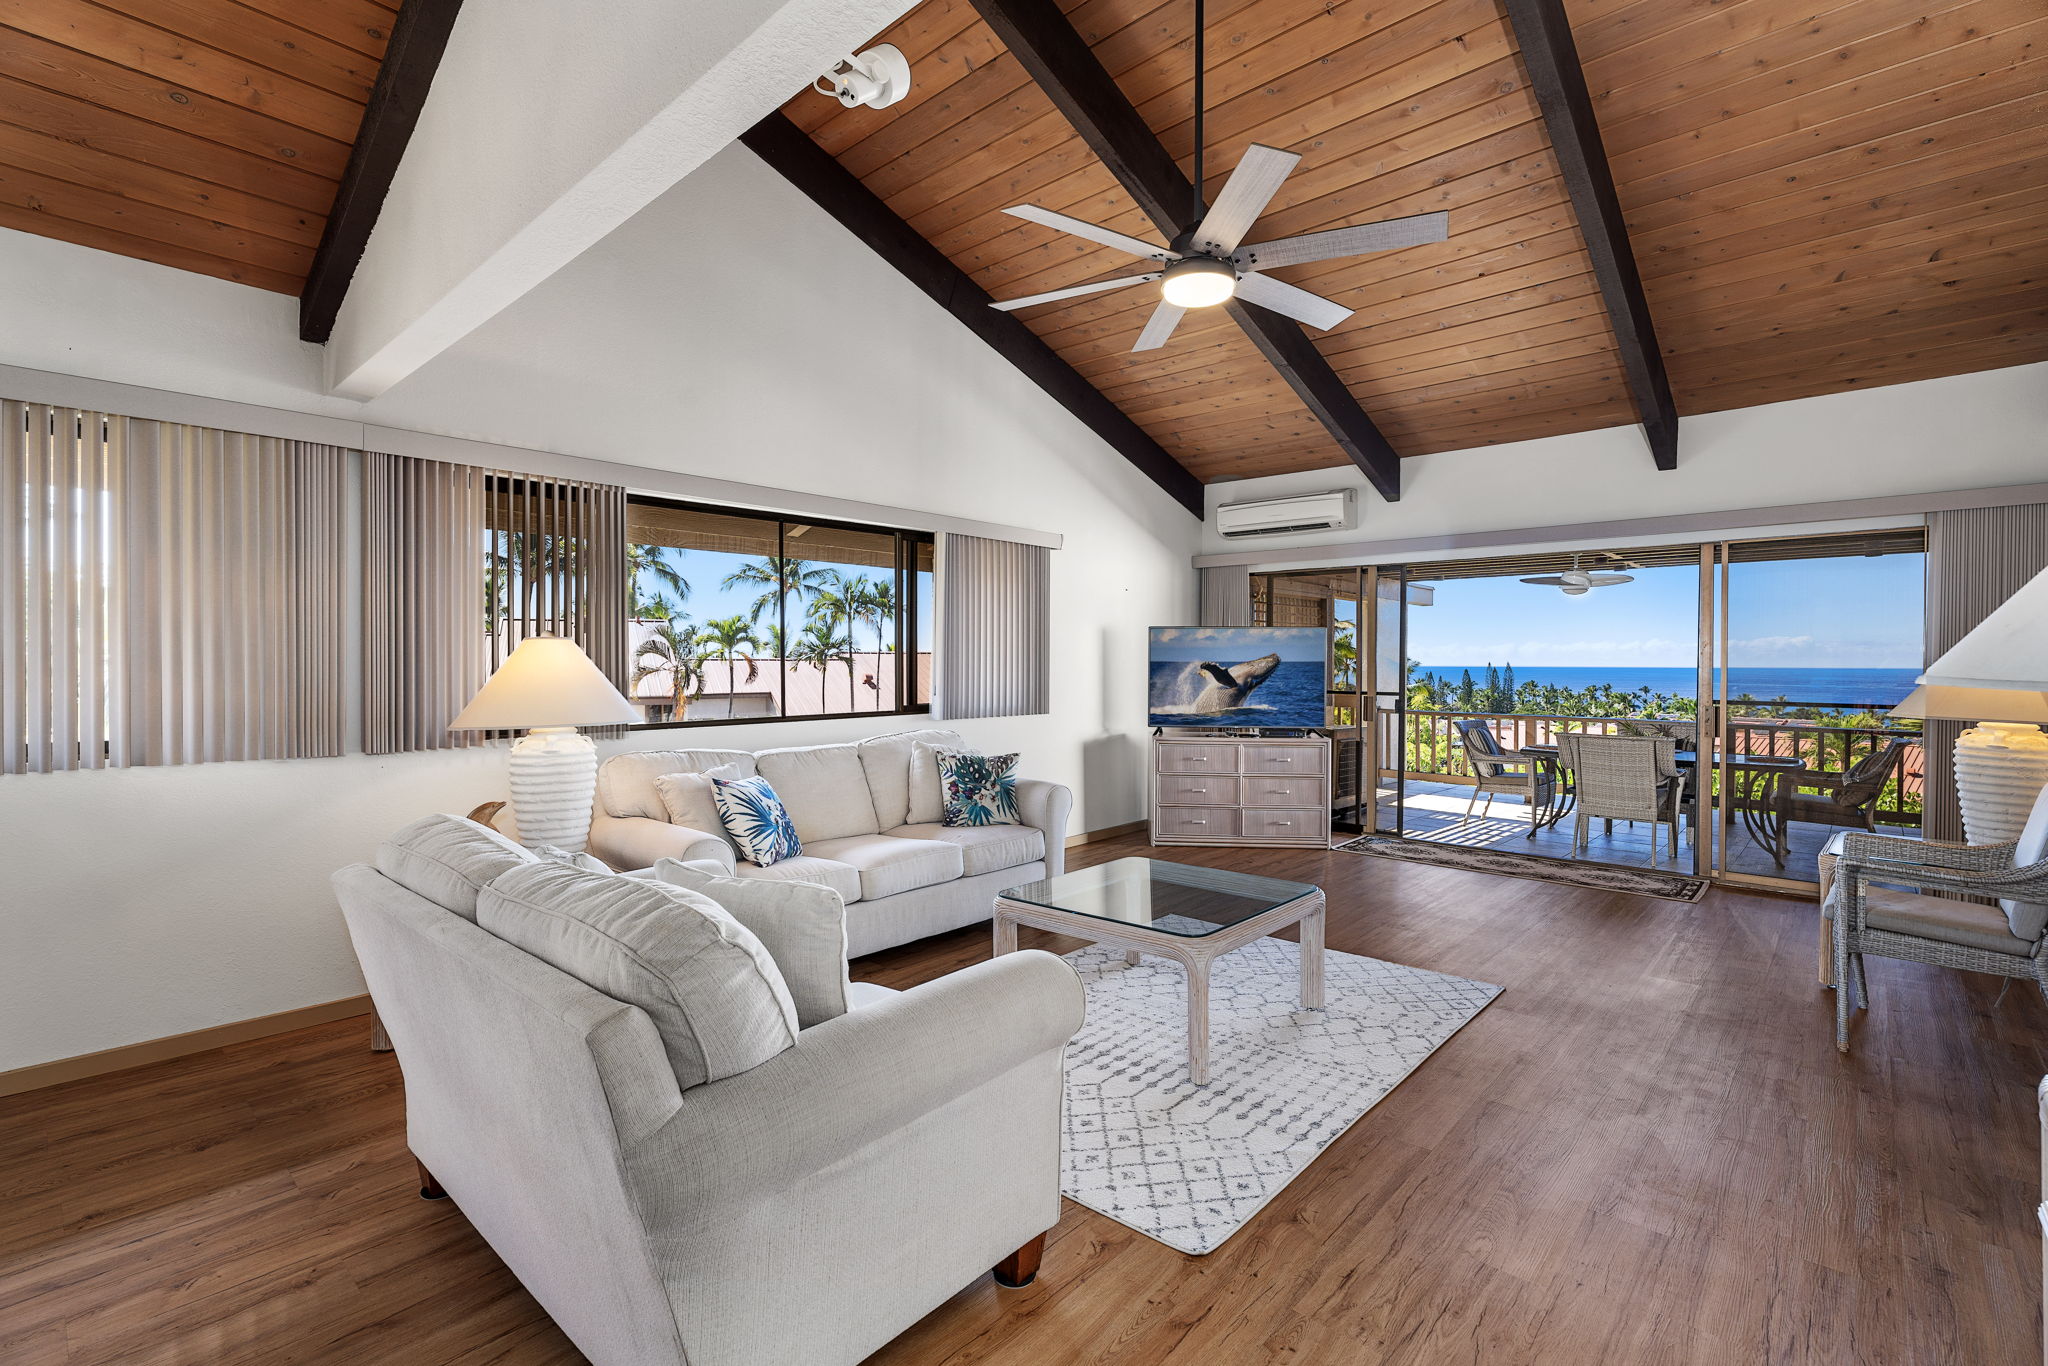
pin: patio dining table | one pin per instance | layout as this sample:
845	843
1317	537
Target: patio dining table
1760	783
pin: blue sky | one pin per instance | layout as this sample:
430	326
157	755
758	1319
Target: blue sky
705	570
1846	613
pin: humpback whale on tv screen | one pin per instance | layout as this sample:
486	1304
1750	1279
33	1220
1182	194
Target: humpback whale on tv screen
1238	676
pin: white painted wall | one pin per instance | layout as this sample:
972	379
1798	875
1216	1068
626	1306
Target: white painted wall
700	337
1961	432
549	125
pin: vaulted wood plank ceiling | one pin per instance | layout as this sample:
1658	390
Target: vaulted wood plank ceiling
203	134
1819	199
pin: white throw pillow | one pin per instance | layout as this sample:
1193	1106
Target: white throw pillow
802	924
927	787
712	989
688	799
886	761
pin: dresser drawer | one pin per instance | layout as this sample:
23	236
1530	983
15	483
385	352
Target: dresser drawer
1197	789
1197	820
1198	758
1256	790
1283	759
1284	823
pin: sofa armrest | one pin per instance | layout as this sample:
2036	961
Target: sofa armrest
630	842
853	1080
1046	806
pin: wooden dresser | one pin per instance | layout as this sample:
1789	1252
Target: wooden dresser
1241	790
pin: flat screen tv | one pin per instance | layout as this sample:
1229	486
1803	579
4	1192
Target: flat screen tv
1263	677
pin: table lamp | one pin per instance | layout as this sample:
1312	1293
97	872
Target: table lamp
547	687
1996	676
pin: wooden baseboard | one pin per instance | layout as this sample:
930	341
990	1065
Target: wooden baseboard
177	1045
1114	831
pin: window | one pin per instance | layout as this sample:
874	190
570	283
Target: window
735	616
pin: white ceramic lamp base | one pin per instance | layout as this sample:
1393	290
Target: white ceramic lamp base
2001	768
554	781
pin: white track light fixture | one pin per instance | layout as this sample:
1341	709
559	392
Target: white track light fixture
876	78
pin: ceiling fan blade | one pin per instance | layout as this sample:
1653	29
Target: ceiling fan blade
1136	246
1245	195
1297	304
1352	241
1164	319
1005	305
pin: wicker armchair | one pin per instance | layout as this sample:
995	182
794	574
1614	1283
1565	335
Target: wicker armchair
1925	923
1624	778
1848	796
1495	772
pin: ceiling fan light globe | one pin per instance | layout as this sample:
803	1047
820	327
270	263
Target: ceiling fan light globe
1198	282
1574	590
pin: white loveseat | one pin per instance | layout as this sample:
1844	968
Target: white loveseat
854	808
801	1211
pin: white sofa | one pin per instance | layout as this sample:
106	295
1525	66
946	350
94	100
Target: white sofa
852	806
799	1212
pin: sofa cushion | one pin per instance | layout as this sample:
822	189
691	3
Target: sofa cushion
861	995
825	789
448	860
756	820
1932	917
983	848
713	991
688	801
927	788
625	782
801	924
888	865
840	877
2027	919
886	760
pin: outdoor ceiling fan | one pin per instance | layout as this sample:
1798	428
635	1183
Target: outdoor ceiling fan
1208	262
1575	580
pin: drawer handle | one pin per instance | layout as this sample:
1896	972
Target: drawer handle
1198	822
1198	758
1199	791
1283	822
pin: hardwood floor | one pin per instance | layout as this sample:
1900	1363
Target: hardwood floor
1647	1151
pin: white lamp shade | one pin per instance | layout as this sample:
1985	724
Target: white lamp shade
2008	649
1932	702
547	681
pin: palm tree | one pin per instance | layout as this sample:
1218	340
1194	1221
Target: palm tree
877	611
730	638
779	577
820	644
836	603
649	566
671	652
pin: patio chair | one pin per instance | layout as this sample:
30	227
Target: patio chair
1687	733
1624	778
1850	796
1896	898
1495	772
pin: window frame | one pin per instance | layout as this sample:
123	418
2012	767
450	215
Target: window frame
903	565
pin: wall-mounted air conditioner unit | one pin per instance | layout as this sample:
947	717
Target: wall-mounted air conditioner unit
1280	516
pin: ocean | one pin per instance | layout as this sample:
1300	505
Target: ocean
1291	696
1878	687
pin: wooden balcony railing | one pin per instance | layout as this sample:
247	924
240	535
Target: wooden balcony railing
1435	753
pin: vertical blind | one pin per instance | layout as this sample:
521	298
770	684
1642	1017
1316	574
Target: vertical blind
1226	595
170	594
995	631
460	564
1976	559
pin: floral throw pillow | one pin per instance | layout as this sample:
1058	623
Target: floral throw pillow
980	789
756	819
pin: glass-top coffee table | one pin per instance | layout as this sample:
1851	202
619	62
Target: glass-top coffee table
1190	914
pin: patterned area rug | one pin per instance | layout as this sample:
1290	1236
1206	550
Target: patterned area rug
1189	1165
1603	877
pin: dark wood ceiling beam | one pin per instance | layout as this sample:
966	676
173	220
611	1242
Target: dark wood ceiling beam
1552	58
1066	69
811	169
418	38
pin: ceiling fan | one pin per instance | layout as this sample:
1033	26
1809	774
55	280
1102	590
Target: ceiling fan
1208	261
1575	580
